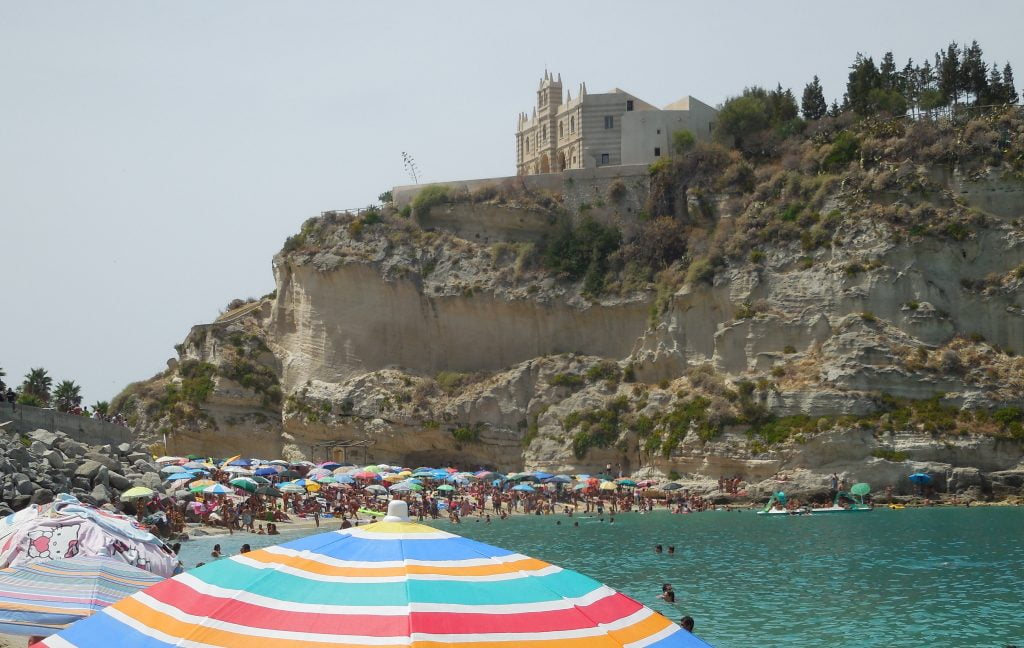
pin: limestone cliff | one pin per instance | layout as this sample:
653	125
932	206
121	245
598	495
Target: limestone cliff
785	315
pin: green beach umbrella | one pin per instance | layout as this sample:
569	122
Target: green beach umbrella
445	487
860	488
245	484
138	491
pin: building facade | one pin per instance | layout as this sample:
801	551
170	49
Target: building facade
593	130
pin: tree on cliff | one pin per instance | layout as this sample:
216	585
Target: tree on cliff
812	104
101	407
67	395
36	388
756	120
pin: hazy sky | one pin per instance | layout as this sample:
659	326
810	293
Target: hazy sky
155	155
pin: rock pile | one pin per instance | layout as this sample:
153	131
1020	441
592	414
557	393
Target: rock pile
37	465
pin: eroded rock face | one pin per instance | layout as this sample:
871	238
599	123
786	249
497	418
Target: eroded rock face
426	348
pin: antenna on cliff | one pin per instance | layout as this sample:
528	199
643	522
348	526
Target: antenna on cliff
410	167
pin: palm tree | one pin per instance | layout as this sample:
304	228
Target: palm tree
67	395
101	407
37	384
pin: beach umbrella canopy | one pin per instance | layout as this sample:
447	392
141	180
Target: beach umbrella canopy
135	493
860	488
365	475
278	462
609	486
542	475
42	598
66	528
217	489
329	465
625	482
344	479
265	471
446	487
167	459
240	462
645	483
579	486
377	489
269	491
172	469
244	483
291	487
237	470
921	478
289	474
200	484
526	488
391	583
559	479
671	486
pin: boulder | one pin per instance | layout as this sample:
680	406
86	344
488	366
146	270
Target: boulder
153	481
38	448
102	476
80	484
111	464
119	482
27	487
19	456
45	437
73	448
19	478
145	467
55	458
19	502
88	469
101	495
135	457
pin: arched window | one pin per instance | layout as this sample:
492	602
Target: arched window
561	133
545	131
572	124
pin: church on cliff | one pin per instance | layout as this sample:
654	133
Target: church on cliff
594	130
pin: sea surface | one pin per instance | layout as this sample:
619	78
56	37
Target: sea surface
915	577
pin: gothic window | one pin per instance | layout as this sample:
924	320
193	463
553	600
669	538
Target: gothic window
561	132
545	136
572	124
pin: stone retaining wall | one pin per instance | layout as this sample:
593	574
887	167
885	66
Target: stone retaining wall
24	419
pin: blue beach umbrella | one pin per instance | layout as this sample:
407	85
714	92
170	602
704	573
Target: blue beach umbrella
265	472
921	478
526	488
542	475
559	479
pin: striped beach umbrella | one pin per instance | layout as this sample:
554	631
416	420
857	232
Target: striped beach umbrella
391	583
45	597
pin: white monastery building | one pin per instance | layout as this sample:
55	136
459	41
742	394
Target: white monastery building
596	130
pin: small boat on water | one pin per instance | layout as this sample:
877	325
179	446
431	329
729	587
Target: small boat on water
844	502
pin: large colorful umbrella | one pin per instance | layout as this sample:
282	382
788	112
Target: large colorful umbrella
244	483
135	493
45	597
391	583
217	489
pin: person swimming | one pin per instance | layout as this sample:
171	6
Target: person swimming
657	548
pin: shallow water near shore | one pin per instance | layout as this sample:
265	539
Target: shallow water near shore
944	577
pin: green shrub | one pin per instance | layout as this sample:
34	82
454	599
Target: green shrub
581	251
889	454
1006	416
468	433
604	370
451	381
682	141
756	256
570	380
789	349
700	271
868	316
845	149
429	197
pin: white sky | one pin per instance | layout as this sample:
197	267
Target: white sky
154	155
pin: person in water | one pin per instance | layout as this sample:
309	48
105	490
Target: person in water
657	548
671	549
686	623
667	593
216	551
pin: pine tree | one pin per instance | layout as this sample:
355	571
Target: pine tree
887	72
973	78
1009	89
907	83
813	104
834	110
863	78
947	67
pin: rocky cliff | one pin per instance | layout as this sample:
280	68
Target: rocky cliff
825	308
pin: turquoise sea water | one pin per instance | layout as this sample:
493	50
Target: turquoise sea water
916	577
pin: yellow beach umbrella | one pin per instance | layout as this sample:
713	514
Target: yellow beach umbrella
608	485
